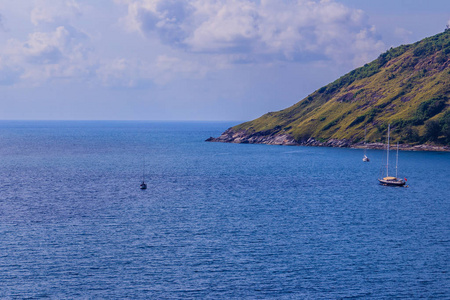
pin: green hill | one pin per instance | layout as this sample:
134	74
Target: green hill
407	86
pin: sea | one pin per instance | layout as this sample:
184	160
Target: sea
217	221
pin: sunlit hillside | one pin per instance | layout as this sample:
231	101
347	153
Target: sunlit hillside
407	86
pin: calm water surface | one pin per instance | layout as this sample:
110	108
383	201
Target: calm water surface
217	220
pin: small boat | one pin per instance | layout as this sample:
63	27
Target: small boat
390	180
143	185
365	158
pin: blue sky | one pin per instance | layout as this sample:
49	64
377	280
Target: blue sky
190	59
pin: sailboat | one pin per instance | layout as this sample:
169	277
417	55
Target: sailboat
390	180
365	158
143	185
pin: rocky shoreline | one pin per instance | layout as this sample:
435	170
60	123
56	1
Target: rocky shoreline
285	139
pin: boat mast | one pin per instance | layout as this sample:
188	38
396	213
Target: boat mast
396	163
387	161
365	130
143	170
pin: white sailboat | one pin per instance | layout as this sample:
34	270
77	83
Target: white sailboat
365	158
390	180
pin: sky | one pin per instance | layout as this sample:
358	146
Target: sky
206	60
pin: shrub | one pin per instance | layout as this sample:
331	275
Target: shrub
430	108
432	130
358	120
424	49
445	126
410	135
331	124
322	89
441	58
372	113
400	123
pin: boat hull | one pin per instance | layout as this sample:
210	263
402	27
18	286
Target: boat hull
392	182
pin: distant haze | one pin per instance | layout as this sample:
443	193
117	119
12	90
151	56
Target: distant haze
190	59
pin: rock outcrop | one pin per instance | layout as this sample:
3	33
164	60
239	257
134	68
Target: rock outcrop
245	137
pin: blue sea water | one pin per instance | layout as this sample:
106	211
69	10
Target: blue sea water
218	221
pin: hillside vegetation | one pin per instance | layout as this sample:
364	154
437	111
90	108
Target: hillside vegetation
407	86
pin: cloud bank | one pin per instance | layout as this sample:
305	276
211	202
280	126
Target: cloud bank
265	30
203	35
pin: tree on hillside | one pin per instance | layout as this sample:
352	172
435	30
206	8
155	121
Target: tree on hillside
445	126
432	130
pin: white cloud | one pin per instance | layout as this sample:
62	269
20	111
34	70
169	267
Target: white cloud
260	30
47	48
55	11
46	55
54	50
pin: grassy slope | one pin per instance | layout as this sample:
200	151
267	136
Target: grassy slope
388	90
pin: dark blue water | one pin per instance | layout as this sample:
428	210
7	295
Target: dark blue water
217	220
